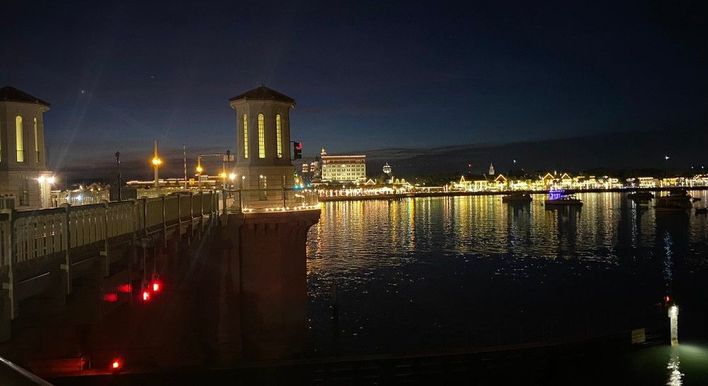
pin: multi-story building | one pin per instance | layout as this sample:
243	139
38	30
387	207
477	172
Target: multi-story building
343	168
25	181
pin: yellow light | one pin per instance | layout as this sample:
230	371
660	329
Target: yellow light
156	161
200	169
51	180
222	175
40	179
232	176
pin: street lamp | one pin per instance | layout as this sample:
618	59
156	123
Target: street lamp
118	169
200	169
156	162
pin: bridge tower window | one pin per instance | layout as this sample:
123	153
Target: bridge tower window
19	139
245	135
261	136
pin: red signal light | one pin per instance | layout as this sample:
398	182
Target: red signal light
125	288
156	286
117	364
146	296
110	297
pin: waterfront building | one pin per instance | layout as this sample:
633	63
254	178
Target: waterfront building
25	181
343	168
500	183
263	139
94	193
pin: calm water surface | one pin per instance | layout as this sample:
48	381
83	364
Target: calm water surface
426	274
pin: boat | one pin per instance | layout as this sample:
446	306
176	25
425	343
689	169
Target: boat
517	198
558	198
640	196
677	200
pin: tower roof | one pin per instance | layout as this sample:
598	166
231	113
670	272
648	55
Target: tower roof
263	93
11	94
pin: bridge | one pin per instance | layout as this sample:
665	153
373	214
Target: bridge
46	250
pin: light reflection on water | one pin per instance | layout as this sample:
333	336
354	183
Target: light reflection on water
675	375
470	270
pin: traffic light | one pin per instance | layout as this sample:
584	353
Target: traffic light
297	150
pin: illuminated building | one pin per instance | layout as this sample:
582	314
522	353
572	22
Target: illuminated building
263	138
25	181
491	169
343	168
387	169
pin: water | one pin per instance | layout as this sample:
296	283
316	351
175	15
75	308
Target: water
431	274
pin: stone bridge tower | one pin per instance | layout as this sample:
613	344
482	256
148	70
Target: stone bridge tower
263	139
23	164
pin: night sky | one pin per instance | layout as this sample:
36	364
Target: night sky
365	76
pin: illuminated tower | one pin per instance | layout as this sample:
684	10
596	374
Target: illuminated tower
24	178
387	169
263	139
491	169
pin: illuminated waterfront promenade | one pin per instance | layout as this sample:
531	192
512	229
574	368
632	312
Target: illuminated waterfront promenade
393	193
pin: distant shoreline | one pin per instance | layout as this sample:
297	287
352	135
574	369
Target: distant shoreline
496	193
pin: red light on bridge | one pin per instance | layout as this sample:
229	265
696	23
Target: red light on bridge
156	286
146	296
125	288
117	364
110	298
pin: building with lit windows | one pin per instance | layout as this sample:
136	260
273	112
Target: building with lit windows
263	139
343	168
25	181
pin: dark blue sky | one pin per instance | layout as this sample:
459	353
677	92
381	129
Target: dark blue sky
365	75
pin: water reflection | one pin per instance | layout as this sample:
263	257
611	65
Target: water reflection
416	272
675	376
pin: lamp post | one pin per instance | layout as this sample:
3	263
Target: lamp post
119	176
200	169
156	162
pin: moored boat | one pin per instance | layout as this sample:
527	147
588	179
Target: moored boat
640	196
676	200
517	198
558	197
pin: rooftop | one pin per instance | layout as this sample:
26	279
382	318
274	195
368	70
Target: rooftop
263	93
11	94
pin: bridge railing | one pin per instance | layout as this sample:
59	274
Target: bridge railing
31	234
270	200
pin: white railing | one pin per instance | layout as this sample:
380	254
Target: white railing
270	200
28	235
